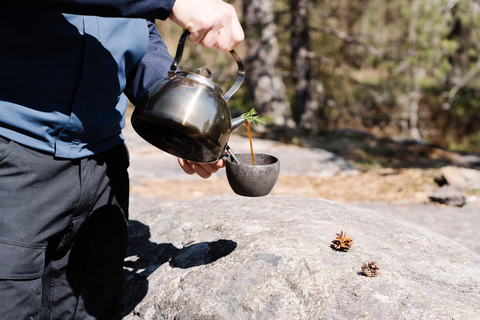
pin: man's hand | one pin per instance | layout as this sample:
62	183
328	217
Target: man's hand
212	23
204	170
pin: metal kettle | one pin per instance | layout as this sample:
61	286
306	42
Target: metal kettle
186	114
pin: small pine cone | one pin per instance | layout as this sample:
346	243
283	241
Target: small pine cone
370	269
342	242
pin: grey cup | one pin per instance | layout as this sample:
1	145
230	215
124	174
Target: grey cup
250	180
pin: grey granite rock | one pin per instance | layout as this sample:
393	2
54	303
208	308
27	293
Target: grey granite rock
466	178
230	257
450	195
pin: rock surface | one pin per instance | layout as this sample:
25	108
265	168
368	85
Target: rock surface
459	224
229	257
450	195
466	178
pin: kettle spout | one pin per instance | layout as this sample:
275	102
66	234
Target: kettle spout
237	122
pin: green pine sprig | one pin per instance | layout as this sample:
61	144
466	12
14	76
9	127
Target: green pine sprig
252	116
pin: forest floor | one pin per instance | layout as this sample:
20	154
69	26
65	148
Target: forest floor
375	185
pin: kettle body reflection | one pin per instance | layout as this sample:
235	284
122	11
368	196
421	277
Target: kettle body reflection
186	114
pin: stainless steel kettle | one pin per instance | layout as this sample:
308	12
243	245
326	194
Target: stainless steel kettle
186	114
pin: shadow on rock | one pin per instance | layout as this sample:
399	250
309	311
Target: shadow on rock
144	257
202	253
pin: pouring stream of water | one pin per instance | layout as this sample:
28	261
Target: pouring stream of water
250	138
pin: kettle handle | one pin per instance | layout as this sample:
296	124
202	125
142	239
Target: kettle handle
178	58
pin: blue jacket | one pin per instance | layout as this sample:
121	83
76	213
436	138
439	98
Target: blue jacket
62	75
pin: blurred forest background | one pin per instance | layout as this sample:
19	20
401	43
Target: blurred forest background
400	68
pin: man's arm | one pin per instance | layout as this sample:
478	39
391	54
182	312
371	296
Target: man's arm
212	23
147	9
152	68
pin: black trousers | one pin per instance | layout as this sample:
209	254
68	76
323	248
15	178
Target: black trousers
63	233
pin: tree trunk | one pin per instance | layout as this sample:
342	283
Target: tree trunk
263	79
413	97
305	105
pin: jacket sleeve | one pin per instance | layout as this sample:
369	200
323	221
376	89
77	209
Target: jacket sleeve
152	68
147	9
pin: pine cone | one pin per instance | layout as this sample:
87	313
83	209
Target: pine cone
370	269
342	242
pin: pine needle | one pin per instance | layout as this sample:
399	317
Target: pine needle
252	116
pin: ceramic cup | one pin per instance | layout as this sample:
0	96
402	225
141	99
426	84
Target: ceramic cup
250	180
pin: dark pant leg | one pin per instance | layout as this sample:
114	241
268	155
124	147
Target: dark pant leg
42	212
33	210
89	276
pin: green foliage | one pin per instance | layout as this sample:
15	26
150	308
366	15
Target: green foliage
449	46
429	82
421	52
252	116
